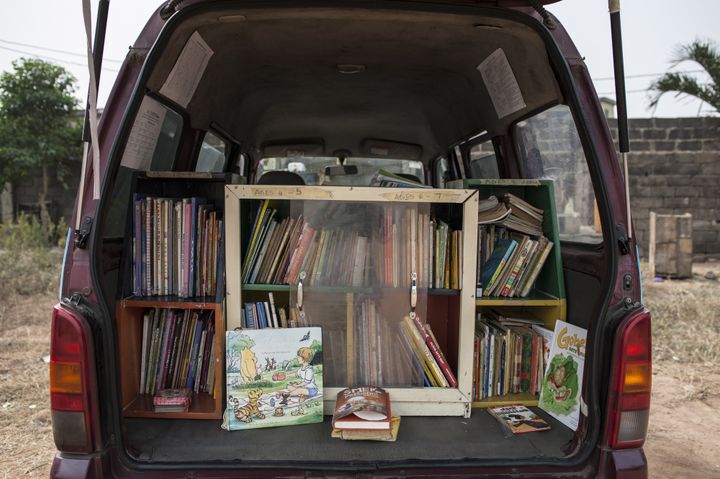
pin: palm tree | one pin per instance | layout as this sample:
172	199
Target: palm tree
706	55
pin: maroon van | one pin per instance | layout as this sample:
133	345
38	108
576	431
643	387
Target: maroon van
285	92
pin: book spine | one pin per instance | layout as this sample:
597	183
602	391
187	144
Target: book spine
425	351
436	352
536	269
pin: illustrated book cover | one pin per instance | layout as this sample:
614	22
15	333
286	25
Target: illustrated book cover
274	377
363	407
518	419
562	383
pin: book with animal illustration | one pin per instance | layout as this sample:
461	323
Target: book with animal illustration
274	377
562	384
518	419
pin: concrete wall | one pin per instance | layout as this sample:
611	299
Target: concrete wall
674	168
61	194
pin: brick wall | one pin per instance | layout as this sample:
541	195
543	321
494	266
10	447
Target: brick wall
674	168
61	197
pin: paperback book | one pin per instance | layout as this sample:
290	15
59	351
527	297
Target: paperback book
562	384
274	377
518	419
173	400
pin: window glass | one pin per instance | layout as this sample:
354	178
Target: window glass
213	153
316	170
549	147
483	162
154	137
167	143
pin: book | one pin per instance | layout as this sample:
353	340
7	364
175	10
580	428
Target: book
434	347
494	265
388	435
273	377
386	179
562	383
518	419
363	407
172	400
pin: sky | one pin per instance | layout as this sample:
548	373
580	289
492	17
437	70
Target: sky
652	29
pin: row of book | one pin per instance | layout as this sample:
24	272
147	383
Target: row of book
266	314
385	248
512	249
510	356
177	246
423	350
178	350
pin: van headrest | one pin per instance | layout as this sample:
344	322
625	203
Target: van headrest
280	178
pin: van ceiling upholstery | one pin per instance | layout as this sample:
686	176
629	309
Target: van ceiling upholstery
275	75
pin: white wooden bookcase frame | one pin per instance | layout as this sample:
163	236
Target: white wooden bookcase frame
428	401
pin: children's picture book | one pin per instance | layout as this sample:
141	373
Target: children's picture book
388	435
363	407
518	419
562	384
274	377
172	400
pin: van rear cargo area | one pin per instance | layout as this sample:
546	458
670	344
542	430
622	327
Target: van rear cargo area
420	438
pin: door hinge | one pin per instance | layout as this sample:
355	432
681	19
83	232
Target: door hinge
623	241
81	235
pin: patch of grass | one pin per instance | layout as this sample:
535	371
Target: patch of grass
686	323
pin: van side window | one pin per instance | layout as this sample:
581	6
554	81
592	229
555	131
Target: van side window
549	147
483	161
213	153
154	137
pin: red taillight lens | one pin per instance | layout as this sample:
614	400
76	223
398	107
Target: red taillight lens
629	398
70	376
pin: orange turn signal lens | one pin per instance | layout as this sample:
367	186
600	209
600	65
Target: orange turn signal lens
65	378
637	378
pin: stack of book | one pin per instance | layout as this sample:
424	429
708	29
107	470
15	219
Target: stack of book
264	314
173	400
386	179
512	250
363	413
423	351
177	246
509	356
178	350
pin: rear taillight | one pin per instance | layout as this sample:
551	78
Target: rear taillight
629	398
71	369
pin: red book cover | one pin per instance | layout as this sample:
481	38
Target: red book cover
306	237
364	407
173	397
436	352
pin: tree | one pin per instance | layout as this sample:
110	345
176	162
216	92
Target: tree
38	124
706	55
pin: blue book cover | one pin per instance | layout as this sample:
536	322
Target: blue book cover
248	316
499	256
194	352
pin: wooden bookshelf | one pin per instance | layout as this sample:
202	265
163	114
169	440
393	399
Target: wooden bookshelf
129	316
546	301
131	309
450	312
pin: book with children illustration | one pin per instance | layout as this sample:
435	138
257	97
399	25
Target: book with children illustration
562	384
274	377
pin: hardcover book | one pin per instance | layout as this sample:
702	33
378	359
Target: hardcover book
274	377
562	384
518	419
362	408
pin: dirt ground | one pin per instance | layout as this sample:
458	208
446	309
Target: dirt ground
682	441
